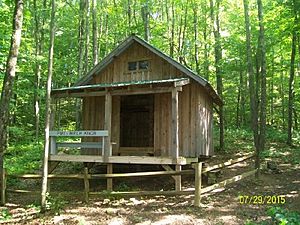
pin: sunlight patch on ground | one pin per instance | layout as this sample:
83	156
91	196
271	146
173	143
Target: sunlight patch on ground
228	219
176	219
116	221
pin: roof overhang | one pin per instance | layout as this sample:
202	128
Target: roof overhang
121	88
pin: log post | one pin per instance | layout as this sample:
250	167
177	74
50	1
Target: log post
86	184
107	126
3	187
178	179
175	124
109	180
198	172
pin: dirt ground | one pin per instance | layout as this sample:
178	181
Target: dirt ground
219	207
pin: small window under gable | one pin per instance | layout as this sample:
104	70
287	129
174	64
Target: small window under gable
132	66
138	65
143	65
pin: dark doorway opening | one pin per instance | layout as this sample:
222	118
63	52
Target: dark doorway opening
137	121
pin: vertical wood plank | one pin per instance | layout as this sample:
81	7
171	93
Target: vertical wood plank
86	184
198	172
109	180
178	179
175	122
107	126
192	119
115	138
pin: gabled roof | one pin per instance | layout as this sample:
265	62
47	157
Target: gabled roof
126	44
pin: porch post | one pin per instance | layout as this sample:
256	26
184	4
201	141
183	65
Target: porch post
175	124
107	126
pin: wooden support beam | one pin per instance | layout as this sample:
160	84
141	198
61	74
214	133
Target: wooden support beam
168	168
175	125
3	187
109	180
181	83
136	91
107	126
198	172
178	179
123	159
86	184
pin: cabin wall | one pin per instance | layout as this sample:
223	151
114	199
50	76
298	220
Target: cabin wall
195	123
117	71
162	124
93	111
93	116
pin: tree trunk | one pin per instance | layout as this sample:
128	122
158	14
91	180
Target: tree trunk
218	58
292	76
48	107
252	92
263	93
145	17
87	37
9	79
80	68
206	49
196	51
39	22
95	33
291	90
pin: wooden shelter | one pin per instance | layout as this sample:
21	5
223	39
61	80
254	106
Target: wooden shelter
140	106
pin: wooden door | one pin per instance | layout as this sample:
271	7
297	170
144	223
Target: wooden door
137	121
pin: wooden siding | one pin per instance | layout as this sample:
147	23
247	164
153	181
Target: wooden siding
117	70
195	108
195	123
93	110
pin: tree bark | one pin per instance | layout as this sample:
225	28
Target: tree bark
263	93
292	76
196	50
218	58
206	49
145	17
9	79
48	107
95	33
87	37
39	22
252	92
291	90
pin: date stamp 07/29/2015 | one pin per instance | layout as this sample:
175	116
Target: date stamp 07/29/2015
262	199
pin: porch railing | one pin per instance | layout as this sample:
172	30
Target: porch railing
54	144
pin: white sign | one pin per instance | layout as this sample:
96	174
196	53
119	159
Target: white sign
82	133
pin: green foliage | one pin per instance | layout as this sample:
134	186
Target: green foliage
282	216
279	216
55	204
5	214
23	158
123	187
236	140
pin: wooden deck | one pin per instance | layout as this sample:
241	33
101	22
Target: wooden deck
123	159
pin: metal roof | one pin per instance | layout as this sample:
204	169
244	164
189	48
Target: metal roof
118	84
126	44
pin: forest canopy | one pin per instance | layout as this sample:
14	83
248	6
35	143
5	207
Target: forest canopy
87	30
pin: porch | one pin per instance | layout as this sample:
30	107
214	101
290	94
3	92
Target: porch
130	134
